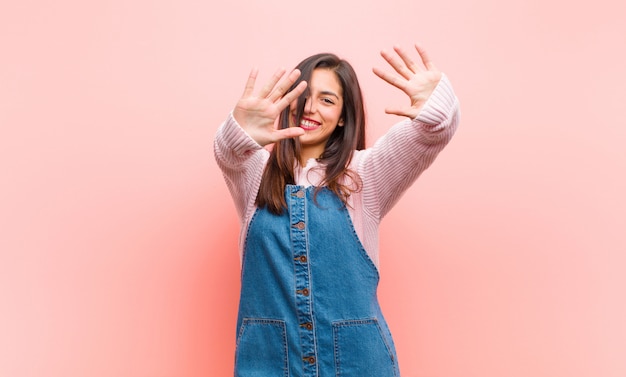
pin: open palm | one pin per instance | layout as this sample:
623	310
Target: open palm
256	113
417	80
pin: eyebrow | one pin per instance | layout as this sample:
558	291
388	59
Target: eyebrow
329	93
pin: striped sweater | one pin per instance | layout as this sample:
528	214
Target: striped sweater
386	169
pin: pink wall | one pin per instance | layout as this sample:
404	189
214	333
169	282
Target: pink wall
118	248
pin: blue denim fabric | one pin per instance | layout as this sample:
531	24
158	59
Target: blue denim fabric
308	304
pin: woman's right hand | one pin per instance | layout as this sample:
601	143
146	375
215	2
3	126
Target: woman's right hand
257	113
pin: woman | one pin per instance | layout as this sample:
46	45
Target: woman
310	206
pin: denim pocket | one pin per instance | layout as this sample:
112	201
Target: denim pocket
361	350
261	348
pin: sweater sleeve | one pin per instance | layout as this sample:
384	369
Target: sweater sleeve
399	157
242	161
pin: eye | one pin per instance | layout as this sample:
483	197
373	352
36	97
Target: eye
328	101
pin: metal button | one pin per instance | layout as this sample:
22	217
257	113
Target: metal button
308	326
310	359
299	225
304	291
299	194
301	258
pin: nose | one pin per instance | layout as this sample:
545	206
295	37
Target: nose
308	105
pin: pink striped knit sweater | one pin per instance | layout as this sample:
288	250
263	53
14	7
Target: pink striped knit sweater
386	169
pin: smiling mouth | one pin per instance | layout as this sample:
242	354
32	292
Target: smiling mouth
309	124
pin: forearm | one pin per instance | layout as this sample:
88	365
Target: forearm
408	148
241	160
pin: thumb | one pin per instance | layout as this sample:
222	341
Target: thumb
409	113
288	133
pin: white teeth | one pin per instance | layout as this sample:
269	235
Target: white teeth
308	123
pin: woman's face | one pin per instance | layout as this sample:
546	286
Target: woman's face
322	112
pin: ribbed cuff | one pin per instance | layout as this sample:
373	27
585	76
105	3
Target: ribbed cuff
236	138
440	105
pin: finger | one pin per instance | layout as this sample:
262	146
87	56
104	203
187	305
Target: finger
397	64
288	133
284	85
291	96
394	80
425	58
410	64
247	92
267	88
401	112
392	110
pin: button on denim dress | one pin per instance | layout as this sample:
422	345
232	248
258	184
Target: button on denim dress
308	304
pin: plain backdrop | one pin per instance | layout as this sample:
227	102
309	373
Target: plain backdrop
118	247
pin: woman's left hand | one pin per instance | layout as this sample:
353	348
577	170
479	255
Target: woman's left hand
417	80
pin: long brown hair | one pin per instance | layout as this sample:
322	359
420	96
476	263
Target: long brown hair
340	146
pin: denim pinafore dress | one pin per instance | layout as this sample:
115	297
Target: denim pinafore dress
308	304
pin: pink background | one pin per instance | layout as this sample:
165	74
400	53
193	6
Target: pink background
118	252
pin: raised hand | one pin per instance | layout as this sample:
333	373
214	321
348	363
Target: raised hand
257	113
417	80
